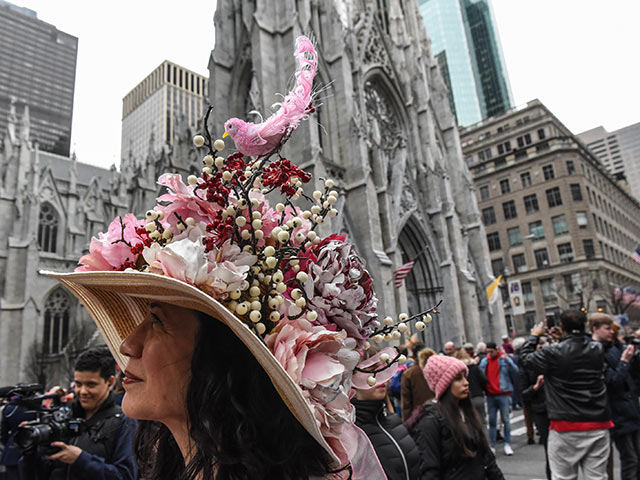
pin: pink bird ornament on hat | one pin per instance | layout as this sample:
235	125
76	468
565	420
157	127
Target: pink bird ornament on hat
255	139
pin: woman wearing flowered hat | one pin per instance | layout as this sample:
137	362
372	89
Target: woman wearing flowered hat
238	328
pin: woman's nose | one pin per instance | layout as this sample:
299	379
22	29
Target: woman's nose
132	345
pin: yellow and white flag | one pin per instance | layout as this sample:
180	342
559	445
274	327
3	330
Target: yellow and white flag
493	292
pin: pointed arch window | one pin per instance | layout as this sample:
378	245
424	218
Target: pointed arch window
57	312
48	228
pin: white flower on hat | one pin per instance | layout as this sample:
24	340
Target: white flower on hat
183	260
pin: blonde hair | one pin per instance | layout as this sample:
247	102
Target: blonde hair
423	356
599	319
463	356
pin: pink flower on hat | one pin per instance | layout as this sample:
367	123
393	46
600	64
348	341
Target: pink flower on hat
112	250
441	370
321	362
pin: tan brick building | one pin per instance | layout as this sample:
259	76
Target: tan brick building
555	219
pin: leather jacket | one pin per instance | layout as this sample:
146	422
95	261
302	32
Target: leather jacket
573	372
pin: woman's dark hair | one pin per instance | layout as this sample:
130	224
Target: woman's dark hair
468	435
240	427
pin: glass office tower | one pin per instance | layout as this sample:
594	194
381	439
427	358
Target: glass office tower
466	44
38	69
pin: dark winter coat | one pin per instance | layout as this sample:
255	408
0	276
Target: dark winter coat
573	371
621	379
441	457
107	449
535	398
477	381
395	448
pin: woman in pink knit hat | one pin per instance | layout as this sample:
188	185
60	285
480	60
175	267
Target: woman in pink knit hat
448	431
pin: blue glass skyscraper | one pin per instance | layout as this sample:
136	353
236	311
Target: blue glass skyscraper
465	42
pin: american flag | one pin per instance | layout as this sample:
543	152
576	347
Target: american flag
403	271
636	255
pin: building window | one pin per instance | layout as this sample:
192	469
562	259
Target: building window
488	216
509	209
493	239
542	258
484	154
531	204
548	172
571	169
527	293
504	186
548	288
582	219
484	192
504	147
524	140
529	320
536	230
519	262
57	311
560	225
565	252
497	265
541	135
48	228
589	251
572	283
576	192
525	179
553	197
515	238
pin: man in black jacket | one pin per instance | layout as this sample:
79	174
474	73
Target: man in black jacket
621	374
104	449
576	398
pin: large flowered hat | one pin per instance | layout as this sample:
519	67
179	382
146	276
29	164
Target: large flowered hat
303	305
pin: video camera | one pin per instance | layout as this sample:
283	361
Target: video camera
632	341
55	423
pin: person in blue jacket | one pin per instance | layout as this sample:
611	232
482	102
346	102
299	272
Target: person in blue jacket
104	449
12	417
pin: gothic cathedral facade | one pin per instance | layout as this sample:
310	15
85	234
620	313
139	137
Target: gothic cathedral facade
384	132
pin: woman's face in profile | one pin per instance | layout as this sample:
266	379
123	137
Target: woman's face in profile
159	367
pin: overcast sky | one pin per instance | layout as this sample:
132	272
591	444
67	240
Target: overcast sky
579	57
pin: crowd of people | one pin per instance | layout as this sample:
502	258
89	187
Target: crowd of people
577	384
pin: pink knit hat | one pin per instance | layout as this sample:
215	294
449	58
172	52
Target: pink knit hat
440	372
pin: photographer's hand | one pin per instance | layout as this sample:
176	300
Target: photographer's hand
627	355
67	454
538	330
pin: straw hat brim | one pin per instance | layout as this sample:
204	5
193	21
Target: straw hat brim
118	302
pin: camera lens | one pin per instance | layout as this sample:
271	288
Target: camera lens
30	436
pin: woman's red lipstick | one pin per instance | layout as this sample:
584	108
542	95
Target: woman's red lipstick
130	378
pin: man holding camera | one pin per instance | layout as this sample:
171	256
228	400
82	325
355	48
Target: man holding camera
621	375
104	447
576	398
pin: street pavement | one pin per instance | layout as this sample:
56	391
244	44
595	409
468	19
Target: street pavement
528	460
